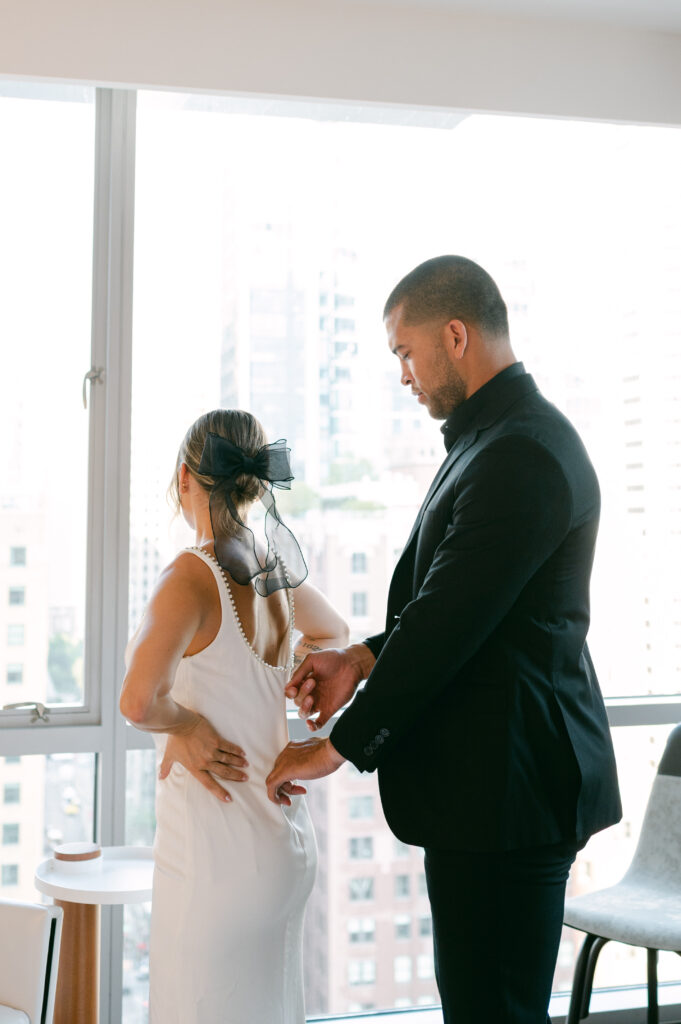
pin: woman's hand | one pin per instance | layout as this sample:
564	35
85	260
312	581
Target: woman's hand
204	753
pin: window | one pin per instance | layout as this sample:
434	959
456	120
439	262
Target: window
17	556
425	966
12	759
17	596
359	603
15	634
402	887
361	848
402	850
361	929
243	288
402	968
425	925
361	807
361	972
359	562
12	793
15	675
10	835
10	874
361	889
422	885
402	926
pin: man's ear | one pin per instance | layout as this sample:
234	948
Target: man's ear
455	338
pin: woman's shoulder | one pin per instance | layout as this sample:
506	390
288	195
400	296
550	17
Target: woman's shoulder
187	570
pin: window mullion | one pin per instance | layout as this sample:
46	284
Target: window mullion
110	482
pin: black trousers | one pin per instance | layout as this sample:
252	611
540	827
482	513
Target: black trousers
497	919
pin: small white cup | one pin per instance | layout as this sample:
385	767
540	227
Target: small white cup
77	858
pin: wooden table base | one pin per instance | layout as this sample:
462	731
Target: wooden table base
77	998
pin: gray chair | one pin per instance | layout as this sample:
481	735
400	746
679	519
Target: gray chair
30	936
644	908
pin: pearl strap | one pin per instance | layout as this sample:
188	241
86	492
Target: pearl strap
237	620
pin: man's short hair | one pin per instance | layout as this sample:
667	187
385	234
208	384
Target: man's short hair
450	288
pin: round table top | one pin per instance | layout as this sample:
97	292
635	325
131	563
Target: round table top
123	874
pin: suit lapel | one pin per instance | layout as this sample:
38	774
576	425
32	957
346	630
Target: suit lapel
456	451
510	391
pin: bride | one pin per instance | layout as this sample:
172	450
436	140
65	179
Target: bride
206	674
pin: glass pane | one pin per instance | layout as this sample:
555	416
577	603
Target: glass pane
140	822
44	800
264	290
46	203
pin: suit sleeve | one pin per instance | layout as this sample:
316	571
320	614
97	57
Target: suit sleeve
512	509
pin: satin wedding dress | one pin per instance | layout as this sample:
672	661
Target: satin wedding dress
231	879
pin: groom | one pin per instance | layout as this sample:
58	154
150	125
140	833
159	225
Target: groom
481	708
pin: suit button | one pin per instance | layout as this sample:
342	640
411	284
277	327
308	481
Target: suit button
385	732
379	739
369	750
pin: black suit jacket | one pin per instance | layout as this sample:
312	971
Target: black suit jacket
483	713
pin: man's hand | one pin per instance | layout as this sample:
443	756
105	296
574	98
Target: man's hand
326	681
204	753
311	759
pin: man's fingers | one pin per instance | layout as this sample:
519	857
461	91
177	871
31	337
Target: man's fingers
164	770
207	780
301	672
304	691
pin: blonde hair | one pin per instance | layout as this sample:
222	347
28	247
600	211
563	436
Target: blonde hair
243	430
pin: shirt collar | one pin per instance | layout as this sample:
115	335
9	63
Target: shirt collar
464	414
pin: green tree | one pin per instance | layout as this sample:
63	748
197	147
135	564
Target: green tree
63	657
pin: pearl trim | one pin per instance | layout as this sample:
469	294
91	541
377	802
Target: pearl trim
237	620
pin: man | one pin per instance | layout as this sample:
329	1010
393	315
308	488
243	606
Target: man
481	709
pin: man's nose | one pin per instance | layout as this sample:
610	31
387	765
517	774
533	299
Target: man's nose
405	377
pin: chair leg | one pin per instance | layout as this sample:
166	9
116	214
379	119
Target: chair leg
583	978
594	953
653	1010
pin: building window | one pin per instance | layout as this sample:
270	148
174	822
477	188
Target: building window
17	596
423	887
425	965
362	972
361	806
359	562
12	793
360	603
361	848
15	675
402	887
15	634
425	925
10	874
10	835
402	968
402	850
402	926
361	929
13	759
361	889
17	556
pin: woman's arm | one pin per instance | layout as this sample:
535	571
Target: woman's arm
174	615
319	622
179	606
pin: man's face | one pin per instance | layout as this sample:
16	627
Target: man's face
425	364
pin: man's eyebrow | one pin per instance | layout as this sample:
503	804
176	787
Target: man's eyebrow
397	348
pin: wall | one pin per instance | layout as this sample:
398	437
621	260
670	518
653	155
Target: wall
350	51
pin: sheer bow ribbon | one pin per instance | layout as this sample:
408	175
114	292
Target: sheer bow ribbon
282	564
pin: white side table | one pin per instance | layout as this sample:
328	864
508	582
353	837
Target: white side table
124	876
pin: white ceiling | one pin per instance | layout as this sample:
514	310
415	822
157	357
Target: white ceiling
653	14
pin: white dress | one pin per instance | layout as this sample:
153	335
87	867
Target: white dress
231	879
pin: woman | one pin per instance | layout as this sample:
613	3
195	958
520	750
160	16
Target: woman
206	674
